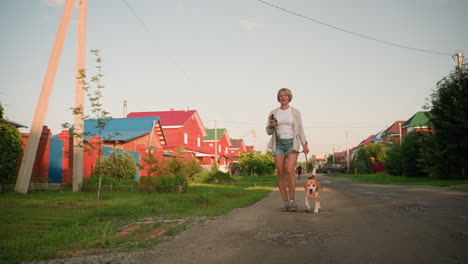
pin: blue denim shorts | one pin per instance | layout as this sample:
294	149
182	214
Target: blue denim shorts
283	146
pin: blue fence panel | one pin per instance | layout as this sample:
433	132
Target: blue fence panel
55	161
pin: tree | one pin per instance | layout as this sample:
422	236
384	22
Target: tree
10	150
448	110
98	113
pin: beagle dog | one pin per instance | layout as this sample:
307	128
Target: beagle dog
312	189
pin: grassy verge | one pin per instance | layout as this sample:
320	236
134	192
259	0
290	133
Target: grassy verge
41	224
383	178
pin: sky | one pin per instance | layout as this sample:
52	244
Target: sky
228	59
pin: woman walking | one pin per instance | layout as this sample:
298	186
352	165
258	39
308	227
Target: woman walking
287	135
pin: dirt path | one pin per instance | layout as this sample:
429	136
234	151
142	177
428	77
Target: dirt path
360	223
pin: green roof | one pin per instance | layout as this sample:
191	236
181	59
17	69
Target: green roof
211	134
419	119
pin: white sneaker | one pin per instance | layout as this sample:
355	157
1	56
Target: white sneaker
292	206
285	207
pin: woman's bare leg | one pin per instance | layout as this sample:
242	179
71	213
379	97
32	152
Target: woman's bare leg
281	169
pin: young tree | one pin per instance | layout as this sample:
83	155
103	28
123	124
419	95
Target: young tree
10	150
98	114
448	112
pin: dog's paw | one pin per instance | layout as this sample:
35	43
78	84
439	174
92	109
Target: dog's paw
316	211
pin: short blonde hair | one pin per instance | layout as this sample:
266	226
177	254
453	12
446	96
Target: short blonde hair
286	91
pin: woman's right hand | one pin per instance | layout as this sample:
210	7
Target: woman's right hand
272	123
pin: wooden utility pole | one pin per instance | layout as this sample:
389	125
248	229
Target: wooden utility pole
79	98
24	175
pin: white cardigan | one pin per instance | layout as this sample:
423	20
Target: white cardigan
299	135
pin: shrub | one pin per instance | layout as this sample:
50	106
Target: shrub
172	183
118	164
252	163
10	150
201	177
148	184
108	180
212	177
393	162
411	155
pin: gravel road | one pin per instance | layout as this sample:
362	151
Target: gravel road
359	223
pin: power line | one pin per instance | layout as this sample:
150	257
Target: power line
353	33
163	49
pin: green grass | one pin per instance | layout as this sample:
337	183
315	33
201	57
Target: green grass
38	225
383	178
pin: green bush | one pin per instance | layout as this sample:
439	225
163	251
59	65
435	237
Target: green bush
147	184
108	180
201	177
212	177
219	176
393	163
411	148
10	150
252	163
120	165
172	183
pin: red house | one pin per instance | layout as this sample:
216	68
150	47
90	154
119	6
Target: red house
237	146
393	133
182	128
219	140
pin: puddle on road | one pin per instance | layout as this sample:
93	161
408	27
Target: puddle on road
293	239
414	207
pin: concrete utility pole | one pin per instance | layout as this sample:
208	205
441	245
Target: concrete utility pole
347	148
79	98
333	153
216	143
24	176
460	60
254	134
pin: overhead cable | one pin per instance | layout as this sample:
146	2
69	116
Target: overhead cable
353	33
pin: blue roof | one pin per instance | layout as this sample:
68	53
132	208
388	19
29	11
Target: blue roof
120	128
14	123
378	137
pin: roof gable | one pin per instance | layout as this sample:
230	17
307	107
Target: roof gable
394	128
236	143
211	134
173	118
377	137
120	128
420	119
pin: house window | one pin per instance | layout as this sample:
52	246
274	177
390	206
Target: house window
219	148
226	150
185	138
198	141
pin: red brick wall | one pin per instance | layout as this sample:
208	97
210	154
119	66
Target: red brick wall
40	171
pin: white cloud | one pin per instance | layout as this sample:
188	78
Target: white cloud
250	25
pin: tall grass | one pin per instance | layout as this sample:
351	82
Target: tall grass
40	224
